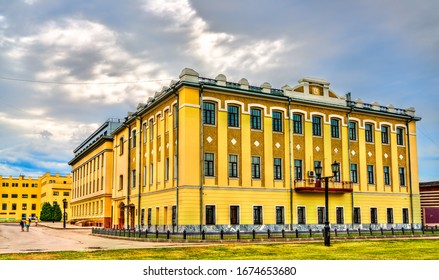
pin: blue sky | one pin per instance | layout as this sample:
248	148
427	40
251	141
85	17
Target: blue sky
67	66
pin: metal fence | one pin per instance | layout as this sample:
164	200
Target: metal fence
259	235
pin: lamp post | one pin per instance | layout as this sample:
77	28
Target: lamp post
64	216
318	170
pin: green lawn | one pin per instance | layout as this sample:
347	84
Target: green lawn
418	249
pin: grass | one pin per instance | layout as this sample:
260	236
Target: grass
419	249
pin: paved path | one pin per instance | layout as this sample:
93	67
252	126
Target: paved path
47	237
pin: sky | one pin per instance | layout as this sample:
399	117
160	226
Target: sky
68	66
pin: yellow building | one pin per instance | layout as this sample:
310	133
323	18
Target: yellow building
92	169
210	154
23	197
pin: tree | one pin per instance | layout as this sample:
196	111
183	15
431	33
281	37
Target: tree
57	214
46	212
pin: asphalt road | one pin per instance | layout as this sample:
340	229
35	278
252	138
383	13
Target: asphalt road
51	237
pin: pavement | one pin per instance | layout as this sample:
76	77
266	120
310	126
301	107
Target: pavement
51	237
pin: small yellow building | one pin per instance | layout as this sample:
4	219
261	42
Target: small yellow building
213	154
23	197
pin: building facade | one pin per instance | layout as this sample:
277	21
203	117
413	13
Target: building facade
92	172
23	197
213	154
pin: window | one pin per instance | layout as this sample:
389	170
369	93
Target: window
405	216
316	126
335	128
337	175
256	167
4	206
210	214
145	138
233	166
14	195
167	169
149	216
151	173
369	132
233	116
151	129
142	217
399	136
321	215
4	195
208	113
255	118
280	215
390	215
401	176
385	134
257	215
357	215
370	175
120	145
354	173
34	207
133	178
65	194
277	121
373	216
26	195
133	138
301	215
120	182
175	166
298	170
175	114
14	206
297	123
234	215
24	206
209	160
277	168
386	175
339	213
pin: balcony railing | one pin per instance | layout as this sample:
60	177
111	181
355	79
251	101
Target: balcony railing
313	185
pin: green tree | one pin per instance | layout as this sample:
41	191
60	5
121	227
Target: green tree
57	213
46	212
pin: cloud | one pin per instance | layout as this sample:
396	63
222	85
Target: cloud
219	50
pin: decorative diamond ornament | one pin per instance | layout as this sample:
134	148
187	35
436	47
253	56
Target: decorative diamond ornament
256	143
209	139
277	145
317	148
369	154
336	150
386	155
298	147
233	141
353	153
401	157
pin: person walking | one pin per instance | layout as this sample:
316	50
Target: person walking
36	221
28	224
22	224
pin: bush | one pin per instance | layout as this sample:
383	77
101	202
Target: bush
57	214
46	212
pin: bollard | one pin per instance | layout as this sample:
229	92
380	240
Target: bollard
203	235
283	233
423	230
146	233
382	232
168	233
268	233
238	236
254	234
402	229
359	231
156	233
184	234
297	233
370	230
393	233
123	232
347	231
413	230
335	231
222	234
310	233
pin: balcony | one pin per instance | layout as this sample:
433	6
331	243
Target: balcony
316	186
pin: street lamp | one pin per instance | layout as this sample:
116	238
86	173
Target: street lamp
318	170
64	216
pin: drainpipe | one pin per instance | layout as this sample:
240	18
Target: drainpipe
291	161
176	115
348	99
128	176
201	154
410	170
139	170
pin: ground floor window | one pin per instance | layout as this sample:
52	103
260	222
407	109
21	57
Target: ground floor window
149	216
405	216
339	215
390	215
373	216
257	215
321	215
142	217
210	214
174	215
357	215
280	215
234	215
301	215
